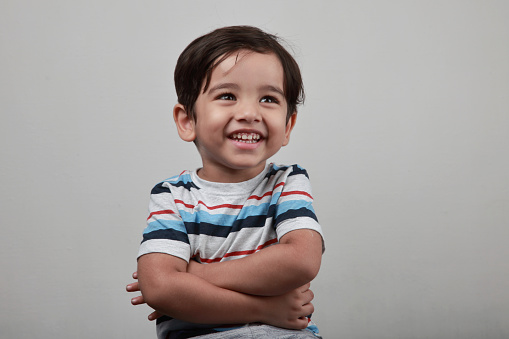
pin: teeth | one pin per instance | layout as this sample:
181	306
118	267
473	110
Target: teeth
246	137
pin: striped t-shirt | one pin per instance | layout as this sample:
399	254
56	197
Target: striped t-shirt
191	218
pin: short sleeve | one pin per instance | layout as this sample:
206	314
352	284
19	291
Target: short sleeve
294	209
165	231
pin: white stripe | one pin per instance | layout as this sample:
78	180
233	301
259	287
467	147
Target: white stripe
176	248
247	239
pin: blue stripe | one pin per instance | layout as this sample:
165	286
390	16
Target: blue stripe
294	205
313	328
162	224
183	180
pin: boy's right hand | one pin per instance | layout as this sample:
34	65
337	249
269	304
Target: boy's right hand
135	287
290	310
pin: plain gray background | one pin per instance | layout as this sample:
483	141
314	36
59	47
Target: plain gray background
404	134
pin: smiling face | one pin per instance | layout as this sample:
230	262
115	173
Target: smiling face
241	119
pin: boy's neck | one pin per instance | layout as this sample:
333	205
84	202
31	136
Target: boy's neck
229	175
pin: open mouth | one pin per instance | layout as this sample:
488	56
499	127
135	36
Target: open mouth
248	138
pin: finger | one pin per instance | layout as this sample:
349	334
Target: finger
135	275
305	287
308	309
307	297
300	323
311	294
154	315
133	287
137	300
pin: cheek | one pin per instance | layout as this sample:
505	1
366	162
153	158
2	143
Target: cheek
279	131
210	127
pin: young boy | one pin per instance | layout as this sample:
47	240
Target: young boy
230	248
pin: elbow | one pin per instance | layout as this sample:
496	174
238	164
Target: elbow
310	271
158	278
309	266
152	294
158	290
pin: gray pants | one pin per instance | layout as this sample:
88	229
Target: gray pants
261	332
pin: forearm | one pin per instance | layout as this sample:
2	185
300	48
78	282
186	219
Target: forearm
272	271
190	298
169	289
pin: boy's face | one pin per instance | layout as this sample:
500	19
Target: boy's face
241	118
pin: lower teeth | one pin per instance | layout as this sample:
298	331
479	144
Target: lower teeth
246	141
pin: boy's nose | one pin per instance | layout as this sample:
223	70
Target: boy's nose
248	112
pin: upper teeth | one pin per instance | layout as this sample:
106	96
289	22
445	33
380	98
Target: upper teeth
246	137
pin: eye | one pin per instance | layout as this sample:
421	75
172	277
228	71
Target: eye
269	99
226	96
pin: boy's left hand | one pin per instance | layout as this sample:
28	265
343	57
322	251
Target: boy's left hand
135	287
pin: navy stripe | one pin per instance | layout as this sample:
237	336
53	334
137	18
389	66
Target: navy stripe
187	185
297	170
273	171
223	231
249	222
290	214
159	188
166	234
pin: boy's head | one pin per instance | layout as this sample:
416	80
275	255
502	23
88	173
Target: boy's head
196	63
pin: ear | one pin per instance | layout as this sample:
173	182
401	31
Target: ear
185	124
289	127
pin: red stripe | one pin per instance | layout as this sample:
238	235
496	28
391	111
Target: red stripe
238	206
160	212
237	253
211	207
296	192
266	194
177	201
280	184
221	206
256	197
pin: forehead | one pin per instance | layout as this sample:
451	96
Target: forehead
248	66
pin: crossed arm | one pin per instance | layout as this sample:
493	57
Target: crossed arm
270	286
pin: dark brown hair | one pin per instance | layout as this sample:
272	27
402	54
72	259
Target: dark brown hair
198	60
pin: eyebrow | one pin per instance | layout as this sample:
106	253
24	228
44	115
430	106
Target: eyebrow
271	88
234	86
225	85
